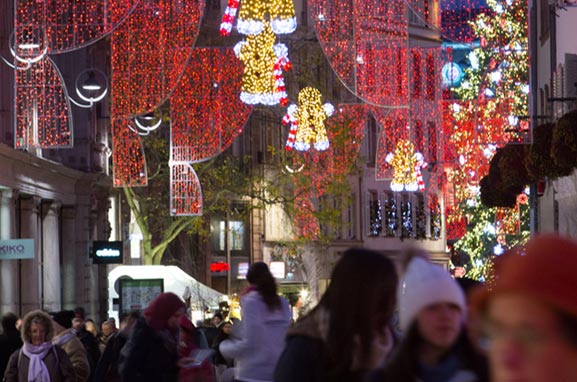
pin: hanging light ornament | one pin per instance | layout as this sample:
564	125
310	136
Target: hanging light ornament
43	117
264	62
149	53
206	117
68	25
307	121
407	165
366	43
128	160
318	169
251	18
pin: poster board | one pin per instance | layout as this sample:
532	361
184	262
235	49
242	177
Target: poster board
136	294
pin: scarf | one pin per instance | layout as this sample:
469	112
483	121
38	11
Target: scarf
37	370
64	337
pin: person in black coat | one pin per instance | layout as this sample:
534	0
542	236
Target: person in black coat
9	340
107	368
150	355
88	340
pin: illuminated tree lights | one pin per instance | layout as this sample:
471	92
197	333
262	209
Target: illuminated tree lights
206	117
264	62
149	53
68	25
43	117
251	18
407	165
307	121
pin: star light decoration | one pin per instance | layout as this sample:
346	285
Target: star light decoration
66	25
307	121
206	117
43	117
407	165
251	18
264	62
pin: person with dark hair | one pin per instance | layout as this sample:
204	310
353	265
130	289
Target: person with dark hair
9	339
348	333
39	359
221	364
150	355
107	367
530	312
65	337
435	347
192	340
265	319
88	340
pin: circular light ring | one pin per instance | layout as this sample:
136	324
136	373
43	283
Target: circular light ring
82	76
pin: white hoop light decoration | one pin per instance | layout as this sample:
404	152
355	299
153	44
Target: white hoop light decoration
100	85
144	130
36	50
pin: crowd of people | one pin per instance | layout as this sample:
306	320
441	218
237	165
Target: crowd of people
378	321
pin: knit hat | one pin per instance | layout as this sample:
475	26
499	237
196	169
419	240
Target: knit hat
161	309
63	318
545	270
424	284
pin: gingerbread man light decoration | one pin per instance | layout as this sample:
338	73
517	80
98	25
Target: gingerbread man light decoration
251	18
264	62
407	165
307	121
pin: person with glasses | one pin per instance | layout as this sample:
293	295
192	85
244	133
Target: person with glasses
530	312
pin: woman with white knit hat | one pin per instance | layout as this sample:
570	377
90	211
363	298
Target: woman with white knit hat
435	346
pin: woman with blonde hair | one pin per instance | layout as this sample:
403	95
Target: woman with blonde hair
38	359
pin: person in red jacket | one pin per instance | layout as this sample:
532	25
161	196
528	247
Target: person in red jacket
192	366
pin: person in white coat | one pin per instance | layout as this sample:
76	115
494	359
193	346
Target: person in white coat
260	336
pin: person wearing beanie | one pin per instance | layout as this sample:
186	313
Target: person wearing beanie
150	355
530	312
65	337
435	346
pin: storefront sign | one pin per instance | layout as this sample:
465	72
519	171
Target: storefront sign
16	249
219	267
107	252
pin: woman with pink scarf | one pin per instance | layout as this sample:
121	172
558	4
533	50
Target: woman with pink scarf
38	360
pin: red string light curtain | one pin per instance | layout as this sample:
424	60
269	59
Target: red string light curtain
128	160
68	25
366	44
185	191
43	118
149	53
207	115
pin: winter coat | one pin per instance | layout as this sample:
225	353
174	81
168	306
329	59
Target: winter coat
149	355
304	356
261	338
9	342
107	367
191	339
57	362
91	345
70	343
